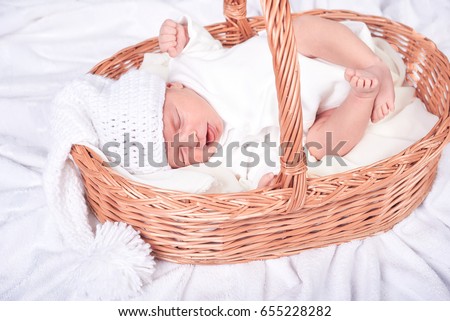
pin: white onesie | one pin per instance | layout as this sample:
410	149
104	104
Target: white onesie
239	83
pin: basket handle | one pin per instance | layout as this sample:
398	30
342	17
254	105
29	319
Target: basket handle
280	34
235	12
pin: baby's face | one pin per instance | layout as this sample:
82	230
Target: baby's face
192	127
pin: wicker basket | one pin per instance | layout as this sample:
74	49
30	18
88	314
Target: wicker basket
299	213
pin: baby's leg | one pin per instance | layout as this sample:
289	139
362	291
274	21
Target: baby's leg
348	122
312	35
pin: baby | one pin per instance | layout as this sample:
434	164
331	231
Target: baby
196	121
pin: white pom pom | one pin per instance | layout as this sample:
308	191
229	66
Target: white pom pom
117	265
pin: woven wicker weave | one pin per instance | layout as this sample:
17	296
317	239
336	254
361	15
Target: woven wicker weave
299	213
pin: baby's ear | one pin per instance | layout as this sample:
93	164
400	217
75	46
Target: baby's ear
175	85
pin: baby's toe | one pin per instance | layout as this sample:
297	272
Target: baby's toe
368	83
380	113
374	83
354	81
391	105
349	74
385	109
377	114
360	83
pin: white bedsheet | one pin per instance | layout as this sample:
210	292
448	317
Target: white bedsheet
45	44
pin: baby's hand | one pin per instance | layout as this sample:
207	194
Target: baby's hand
267	180
173	37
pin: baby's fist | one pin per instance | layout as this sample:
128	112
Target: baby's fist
173	37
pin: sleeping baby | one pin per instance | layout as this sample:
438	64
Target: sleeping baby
218	105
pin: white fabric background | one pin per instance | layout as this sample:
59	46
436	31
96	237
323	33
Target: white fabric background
45	44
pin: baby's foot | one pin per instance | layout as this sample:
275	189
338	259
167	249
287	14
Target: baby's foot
364	84
384	102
